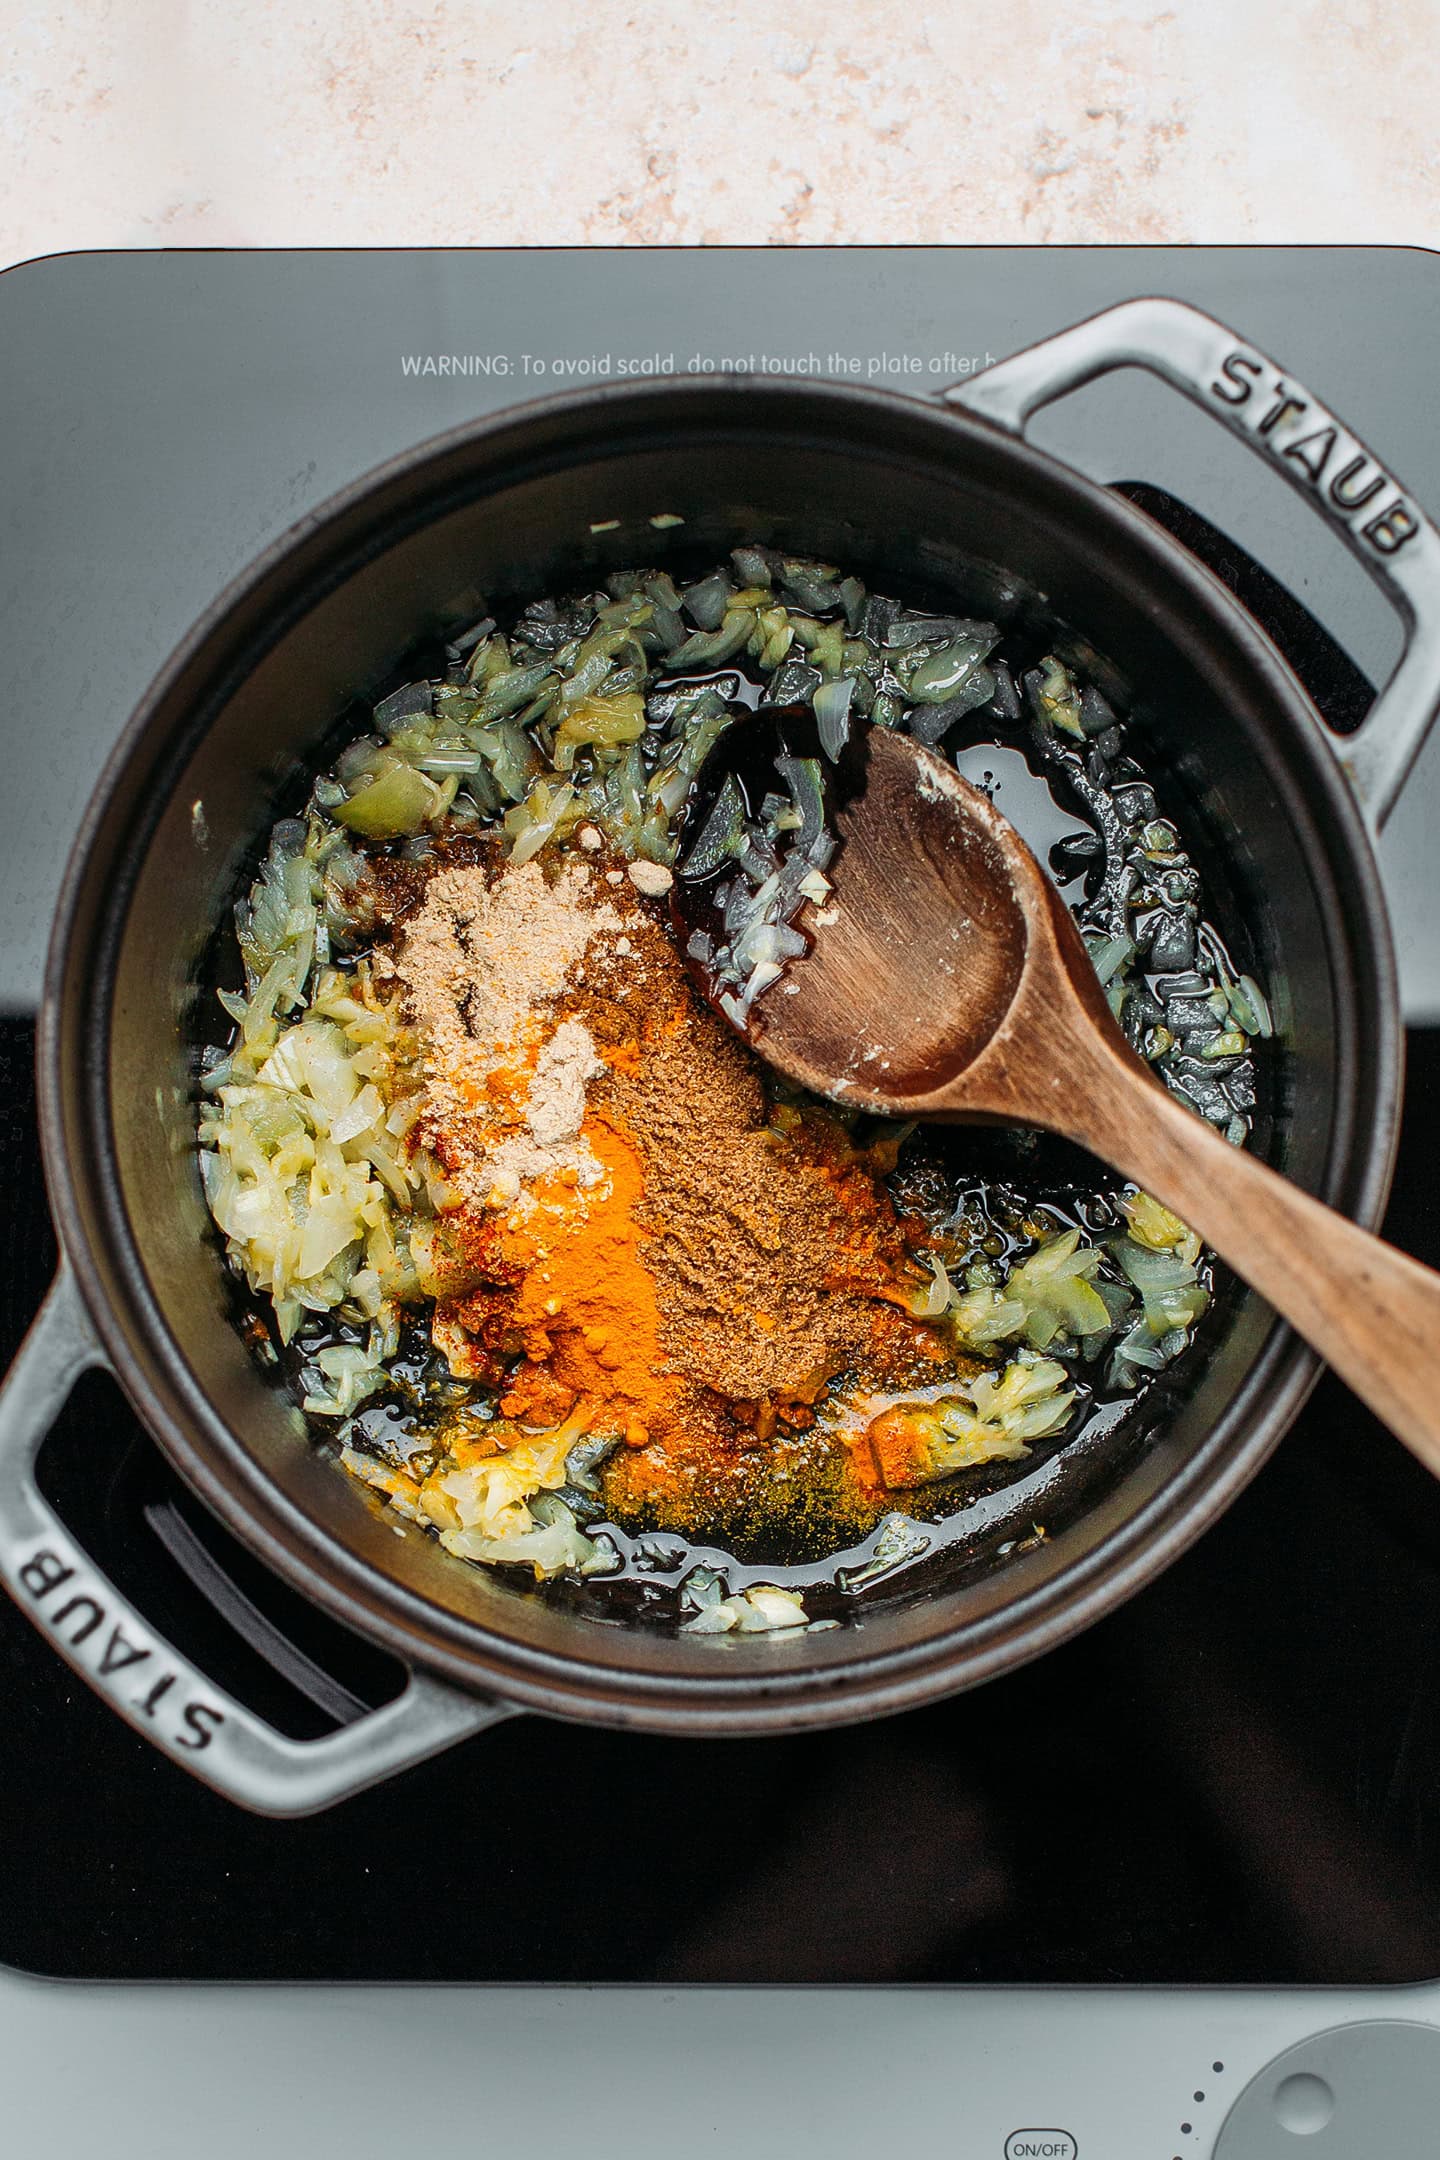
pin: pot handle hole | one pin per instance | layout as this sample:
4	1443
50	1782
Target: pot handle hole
1267	407
160	1693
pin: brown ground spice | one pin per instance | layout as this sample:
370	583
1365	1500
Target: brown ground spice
770	1242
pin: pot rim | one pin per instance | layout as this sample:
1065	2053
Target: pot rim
95	1233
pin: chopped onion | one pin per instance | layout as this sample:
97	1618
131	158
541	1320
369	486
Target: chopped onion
831	705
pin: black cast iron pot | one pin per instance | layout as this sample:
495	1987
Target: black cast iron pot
950	498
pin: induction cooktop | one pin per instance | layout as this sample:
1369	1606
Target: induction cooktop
1231	1783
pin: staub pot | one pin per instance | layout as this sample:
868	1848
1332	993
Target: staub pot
950	496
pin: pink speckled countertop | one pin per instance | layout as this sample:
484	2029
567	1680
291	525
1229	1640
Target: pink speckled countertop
157	123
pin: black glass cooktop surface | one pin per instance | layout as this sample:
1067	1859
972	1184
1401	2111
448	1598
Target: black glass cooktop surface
1235	1778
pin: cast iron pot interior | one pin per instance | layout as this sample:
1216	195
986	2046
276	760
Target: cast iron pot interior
907	494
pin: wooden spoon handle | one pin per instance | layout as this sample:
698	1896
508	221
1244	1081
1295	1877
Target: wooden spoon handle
1370	1311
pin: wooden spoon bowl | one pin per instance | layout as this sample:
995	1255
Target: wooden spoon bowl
941	935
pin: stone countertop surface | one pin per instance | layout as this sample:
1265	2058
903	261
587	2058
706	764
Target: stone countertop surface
141	123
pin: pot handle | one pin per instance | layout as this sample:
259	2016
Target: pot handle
101	1635
1382	525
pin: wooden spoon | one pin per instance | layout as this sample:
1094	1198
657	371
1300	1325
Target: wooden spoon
947	980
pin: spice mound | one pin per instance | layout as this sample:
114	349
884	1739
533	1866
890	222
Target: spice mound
632	1239
552	1264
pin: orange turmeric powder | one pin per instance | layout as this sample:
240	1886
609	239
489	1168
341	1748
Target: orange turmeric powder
586	1304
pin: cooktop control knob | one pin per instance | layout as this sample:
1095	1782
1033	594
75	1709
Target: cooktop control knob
1356	2092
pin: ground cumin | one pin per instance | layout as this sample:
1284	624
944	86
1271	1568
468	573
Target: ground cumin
770	1240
